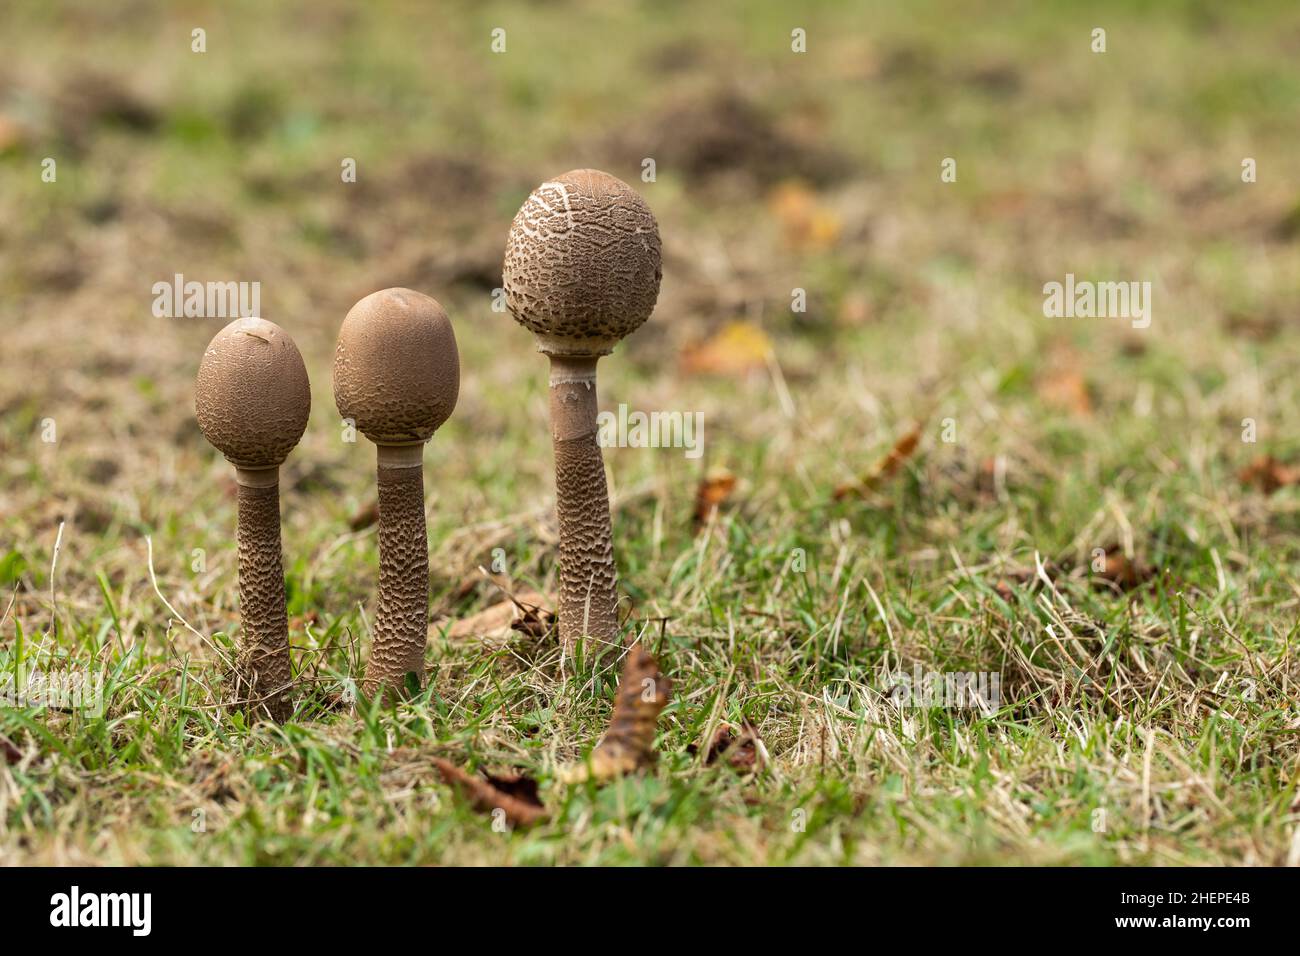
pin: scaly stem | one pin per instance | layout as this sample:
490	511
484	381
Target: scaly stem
263	674
587	572
402	621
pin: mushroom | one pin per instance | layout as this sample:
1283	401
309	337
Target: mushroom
396	376
582	270
252	399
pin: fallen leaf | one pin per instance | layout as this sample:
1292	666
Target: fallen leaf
12	134
1268	474
214	778
1132	344
534	621
628	742
715	488
9	751
990	475
739	747
528	612
1256	327
886	468
855	309
364	516
1008	204
736	350
805	222
1005	591
514	795
301	621
1288	225
515	784
1066	389
1122	572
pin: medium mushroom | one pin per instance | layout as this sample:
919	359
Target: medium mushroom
397	376
252	400
582	270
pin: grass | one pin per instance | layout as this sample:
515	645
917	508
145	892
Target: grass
1155	725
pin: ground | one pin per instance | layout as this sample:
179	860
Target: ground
1101	514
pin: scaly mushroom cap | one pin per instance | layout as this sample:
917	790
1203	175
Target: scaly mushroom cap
252	397
396	369
582	265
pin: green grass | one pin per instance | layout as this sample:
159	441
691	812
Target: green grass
1155	726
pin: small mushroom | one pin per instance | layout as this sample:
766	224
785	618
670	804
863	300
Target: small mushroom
252	400
397	376
582	270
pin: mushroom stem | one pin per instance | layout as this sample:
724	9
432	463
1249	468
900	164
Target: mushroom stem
263	676
587	572
402	621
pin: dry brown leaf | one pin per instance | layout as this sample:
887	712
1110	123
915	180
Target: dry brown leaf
364	516
1067	390
987	476
736	350
515	795
855	310
1020	577
805	222
9	751
534	621
1257	328
1121	572
12	134
1063	386
629	741
1007	204
738	747
528	612
886	468
215	779
715	488
1268	474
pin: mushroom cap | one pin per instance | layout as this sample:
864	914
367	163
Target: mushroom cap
582	264
396	368
252	397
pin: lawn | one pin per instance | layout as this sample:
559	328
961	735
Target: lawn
907	467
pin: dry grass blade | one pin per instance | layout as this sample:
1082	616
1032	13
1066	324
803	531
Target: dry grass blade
628	743
514	795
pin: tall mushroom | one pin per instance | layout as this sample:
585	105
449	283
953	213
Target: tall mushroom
397	376
252	400
582	270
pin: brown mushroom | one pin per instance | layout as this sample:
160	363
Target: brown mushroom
252	400
582	270
397	376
